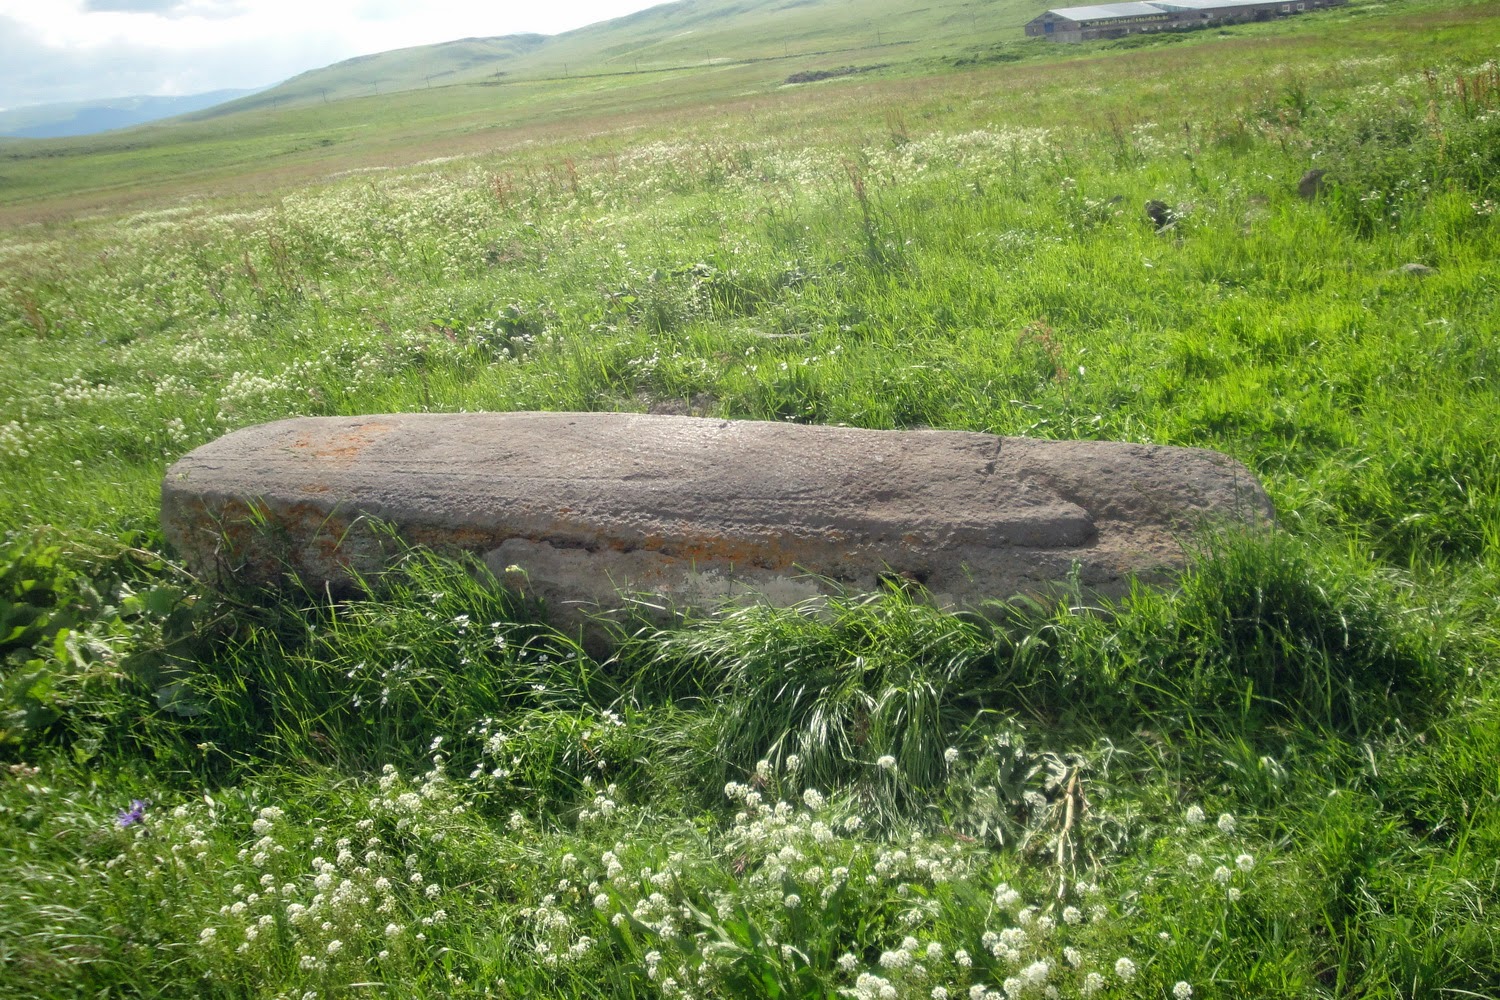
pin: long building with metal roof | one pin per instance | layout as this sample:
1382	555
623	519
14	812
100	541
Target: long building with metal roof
1115	20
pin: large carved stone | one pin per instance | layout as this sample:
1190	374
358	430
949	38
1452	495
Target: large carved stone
585	509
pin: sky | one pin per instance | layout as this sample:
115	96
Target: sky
70	50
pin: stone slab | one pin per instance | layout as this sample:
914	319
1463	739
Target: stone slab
690	512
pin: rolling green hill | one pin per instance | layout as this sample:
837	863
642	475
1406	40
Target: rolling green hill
390	72
686	34
820	32
444	99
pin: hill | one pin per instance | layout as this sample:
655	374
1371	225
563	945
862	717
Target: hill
420	66
792	32
72	118
417	103
687	34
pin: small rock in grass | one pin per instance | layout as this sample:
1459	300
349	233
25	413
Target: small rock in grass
1160	214
1312	184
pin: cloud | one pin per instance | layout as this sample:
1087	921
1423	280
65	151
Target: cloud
38	73
152	6
63	50
168	8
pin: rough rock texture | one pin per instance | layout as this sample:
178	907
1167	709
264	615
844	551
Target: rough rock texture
694	511
1312	184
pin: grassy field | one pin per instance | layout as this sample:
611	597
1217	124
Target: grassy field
593	82
1278	778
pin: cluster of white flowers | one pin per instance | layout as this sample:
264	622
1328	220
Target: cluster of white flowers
350	895
1224	874
78	390
327	911
603	805
266	820
789	858
16	440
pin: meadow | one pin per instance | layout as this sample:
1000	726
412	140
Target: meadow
1279	777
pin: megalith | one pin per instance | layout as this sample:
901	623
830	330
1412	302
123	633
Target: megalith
597	511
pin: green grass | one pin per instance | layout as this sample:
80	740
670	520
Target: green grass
596	82
772	802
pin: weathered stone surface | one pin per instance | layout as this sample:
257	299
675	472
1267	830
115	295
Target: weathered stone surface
1312	184
1160	214
694	511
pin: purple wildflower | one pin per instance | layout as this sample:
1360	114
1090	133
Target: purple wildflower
135	814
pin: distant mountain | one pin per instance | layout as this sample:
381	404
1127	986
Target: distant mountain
51	121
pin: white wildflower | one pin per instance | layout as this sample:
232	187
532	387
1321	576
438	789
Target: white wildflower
1005	896
1035	974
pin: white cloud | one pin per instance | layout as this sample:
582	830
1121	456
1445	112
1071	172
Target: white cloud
77	49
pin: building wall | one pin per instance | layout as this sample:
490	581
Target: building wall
1066	30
